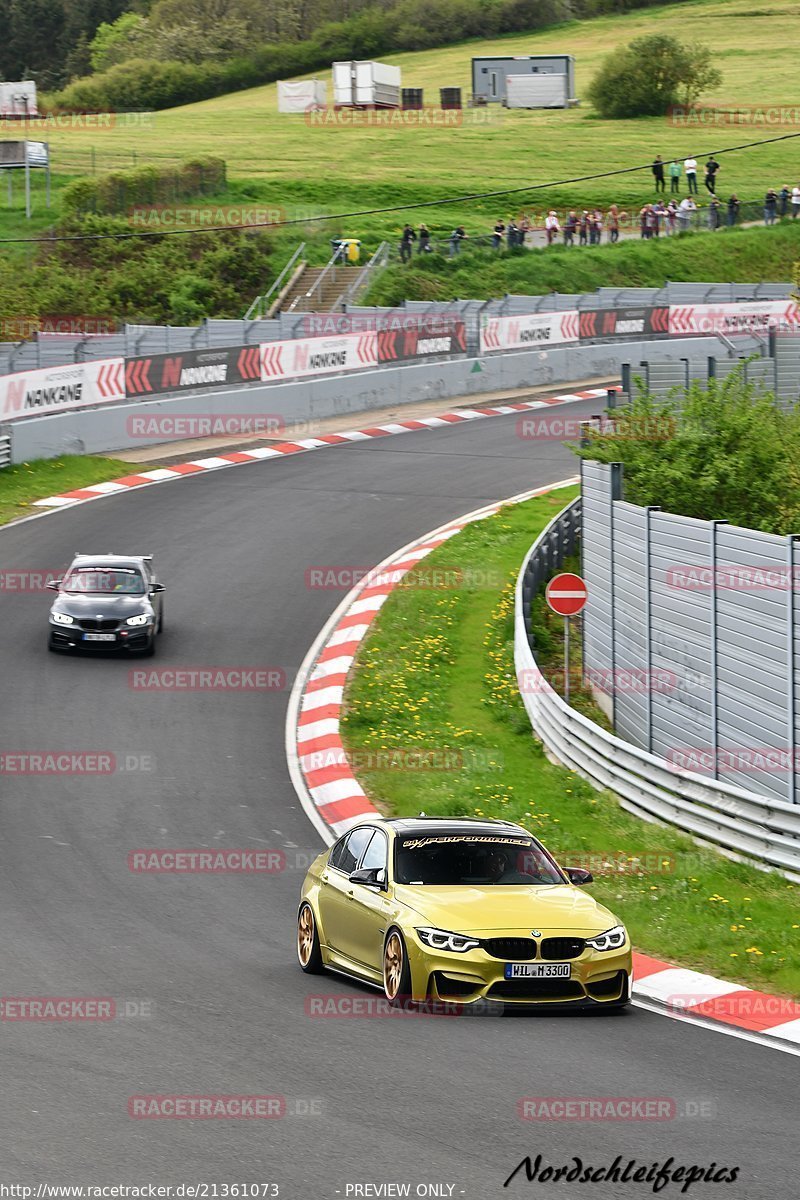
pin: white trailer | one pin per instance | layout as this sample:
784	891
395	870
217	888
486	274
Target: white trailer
18	99
299	96
366	84
537	91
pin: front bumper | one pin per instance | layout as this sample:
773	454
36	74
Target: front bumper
130	638
597	979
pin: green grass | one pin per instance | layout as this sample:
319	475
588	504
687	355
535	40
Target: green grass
302	168
746	255
437	672
26	482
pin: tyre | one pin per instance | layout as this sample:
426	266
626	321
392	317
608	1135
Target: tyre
309	954
396	969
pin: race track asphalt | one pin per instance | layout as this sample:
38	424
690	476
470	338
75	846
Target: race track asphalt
407	1099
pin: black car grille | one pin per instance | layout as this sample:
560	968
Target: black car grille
536	989
516	949
105	626
608	987
556	949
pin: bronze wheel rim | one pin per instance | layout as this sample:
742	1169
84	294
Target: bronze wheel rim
305	935
393	965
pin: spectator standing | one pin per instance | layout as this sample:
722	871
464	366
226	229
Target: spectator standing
583	228
671	220
770	206
784	197
512	234
407	239
658	173
686	207
456	238
712	166
613	223
424	246
551	226
595	227
733	209
795	202
570	228
690	167
713	213
524	229
675	176
498	233
660	210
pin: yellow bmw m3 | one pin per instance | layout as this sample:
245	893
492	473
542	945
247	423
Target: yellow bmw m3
460	911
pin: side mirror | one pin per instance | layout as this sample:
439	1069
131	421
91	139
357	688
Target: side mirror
156	587
578	876
53	585
371	877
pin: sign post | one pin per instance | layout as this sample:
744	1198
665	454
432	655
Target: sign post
566	594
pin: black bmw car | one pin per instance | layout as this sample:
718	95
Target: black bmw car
107	602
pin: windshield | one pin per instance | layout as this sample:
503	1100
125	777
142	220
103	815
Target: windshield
472	859
104	581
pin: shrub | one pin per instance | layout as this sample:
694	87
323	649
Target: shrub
118	191
651	74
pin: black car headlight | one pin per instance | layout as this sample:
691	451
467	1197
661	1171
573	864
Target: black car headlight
442	939
62	618
612	939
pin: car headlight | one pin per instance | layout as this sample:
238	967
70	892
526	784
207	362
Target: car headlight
139	619
612	939
442	939
62	618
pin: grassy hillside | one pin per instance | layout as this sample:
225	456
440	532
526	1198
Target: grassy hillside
745	255
301	167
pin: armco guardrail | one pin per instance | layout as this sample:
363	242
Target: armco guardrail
5	450
740	822
607	313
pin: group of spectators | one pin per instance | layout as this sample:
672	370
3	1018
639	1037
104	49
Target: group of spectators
667	216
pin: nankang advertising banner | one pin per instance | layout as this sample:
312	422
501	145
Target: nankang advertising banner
318	355
529	331
641	322
191	370
424	340
61	389
748	316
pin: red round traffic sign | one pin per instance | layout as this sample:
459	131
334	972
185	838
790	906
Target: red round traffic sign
566	594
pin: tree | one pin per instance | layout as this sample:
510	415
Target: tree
650	75
115	41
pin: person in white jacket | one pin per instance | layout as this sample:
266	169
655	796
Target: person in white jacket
795	202
552	227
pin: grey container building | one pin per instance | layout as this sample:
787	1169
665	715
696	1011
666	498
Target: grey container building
489	74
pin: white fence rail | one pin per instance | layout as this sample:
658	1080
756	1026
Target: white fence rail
737	821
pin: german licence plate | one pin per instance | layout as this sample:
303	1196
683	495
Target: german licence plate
538	970
99	637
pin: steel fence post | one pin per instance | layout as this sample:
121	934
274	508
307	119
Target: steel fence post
614	493
790	542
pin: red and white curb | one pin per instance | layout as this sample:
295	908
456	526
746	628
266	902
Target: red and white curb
96	491
334	800
321	772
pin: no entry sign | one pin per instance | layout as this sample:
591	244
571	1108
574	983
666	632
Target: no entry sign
566	594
